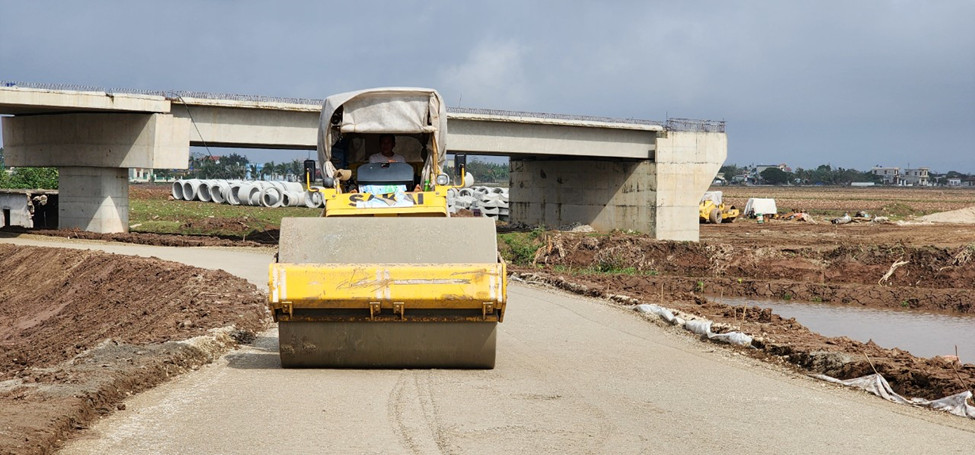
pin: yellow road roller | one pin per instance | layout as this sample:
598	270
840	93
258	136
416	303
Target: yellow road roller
385	277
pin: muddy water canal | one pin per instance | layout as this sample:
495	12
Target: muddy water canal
922	334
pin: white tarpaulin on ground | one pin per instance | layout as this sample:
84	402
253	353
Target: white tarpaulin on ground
876	384
758	206
713	196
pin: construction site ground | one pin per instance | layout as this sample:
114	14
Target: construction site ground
80	330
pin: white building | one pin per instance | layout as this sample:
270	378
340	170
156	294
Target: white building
915	177
891	175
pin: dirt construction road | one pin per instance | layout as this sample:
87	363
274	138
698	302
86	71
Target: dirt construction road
573	376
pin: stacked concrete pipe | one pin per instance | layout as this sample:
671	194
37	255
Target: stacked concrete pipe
244	192
485	201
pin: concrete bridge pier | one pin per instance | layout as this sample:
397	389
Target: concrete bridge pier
93	152
657	196
93	199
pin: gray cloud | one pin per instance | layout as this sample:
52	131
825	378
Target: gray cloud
852	84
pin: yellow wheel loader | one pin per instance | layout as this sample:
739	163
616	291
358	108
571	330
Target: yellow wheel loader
713	210
385	278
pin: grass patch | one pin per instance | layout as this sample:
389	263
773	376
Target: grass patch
591	270
899	210
161	216
520	247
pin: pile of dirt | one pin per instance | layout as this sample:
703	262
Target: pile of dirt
926	268
80	330
960	216
142	238
923	277
777	339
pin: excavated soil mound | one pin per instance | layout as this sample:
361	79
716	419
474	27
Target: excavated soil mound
870	266
961	216
778	340
265	239
878	275
80	330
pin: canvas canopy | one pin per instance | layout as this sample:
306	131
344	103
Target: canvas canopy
395	110
756	206
713	196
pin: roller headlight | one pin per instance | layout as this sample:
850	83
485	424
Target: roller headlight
443	179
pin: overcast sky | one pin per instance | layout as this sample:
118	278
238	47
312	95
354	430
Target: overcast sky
849	83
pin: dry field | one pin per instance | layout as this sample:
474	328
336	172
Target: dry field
894	202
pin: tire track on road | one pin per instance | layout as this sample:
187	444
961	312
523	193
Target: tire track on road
409	416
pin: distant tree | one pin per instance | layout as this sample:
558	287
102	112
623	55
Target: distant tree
163	174
730	170
775	176
234	159
485	172
267	171
31	178
295	168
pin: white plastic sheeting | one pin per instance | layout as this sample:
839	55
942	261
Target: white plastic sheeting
956	404
759	206
713	196
698	326
875	383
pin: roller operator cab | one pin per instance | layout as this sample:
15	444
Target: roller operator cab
385	278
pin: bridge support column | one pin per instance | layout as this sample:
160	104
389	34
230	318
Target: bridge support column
93	152
94	199
605	194
659	197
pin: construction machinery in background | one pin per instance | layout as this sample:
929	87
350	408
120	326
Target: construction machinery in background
713	210
385	278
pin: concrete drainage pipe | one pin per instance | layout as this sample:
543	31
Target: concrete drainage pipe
204	190
190	189
219	190
291	199
252	196
313	199
178	190
272	196
233	192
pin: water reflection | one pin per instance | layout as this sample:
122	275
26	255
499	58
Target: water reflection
923	334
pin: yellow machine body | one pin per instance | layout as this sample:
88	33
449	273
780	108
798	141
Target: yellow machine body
385	278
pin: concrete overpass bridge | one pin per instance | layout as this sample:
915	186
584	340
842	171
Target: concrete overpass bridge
609	173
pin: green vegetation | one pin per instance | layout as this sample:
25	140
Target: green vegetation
823	174
232	166
30	178
204	218
520	247
775	176
485	172
897	210
613	264
592	270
